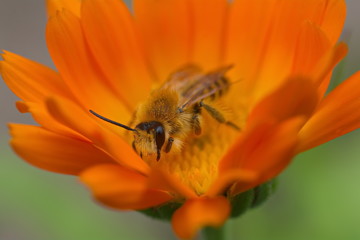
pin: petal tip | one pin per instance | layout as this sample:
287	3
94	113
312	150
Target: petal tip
198	213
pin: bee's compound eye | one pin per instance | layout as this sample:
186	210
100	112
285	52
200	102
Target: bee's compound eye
159	137
159	134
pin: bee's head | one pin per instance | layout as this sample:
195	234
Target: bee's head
149	137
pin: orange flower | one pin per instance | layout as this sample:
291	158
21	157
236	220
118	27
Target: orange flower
108	60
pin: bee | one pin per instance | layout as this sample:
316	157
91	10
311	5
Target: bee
172	113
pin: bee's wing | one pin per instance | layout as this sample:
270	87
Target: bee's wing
203	87
183	78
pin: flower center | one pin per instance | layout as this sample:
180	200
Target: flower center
196	165
186	125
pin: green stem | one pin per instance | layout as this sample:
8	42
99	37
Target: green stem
210	233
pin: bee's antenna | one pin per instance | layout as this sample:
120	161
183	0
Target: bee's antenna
111	121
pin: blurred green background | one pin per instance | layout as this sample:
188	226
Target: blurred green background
318	196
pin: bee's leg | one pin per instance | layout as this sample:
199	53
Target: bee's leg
158	155
196	120
233	125
133	146
169	145
196	125
218	116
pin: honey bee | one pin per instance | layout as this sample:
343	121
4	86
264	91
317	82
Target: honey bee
173	112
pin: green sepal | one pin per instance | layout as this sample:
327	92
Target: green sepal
254	197
214	233
240	203
163	212
263	192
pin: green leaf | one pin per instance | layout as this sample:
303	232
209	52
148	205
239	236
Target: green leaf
241	202
263	192
252	198
163	212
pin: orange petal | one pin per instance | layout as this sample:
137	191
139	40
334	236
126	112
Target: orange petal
245	50
227	178
198	213
41	115
53	6
297	97
323	69
109	30
312	45
54	152
29	80
166	33
330	15
266	149
121	188
162	180
76	65
209	20
84	123
336	115
179	32
263	56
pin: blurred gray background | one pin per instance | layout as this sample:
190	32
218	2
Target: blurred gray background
318	196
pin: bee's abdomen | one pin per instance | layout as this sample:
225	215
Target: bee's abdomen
219	88
210	91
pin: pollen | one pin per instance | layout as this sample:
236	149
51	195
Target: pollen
196	165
